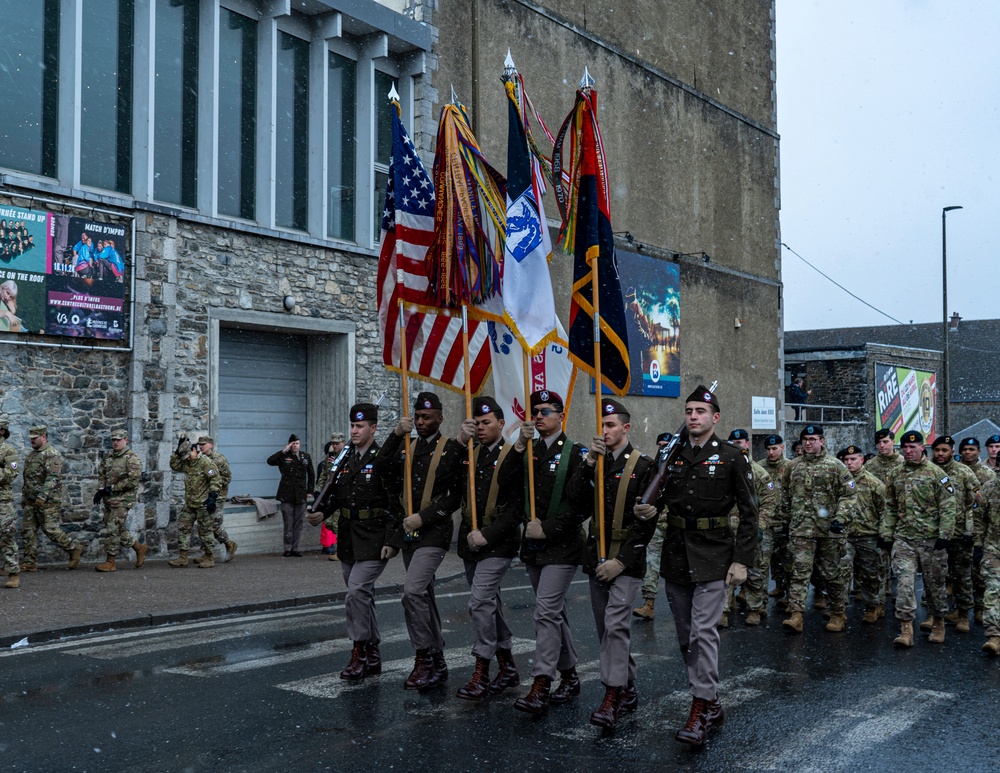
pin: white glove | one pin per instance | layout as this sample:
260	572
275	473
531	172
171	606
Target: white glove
737	574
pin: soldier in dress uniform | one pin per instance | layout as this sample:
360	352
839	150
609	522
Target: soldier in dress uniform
294	489
701	555
356	507
615	575
118	487
425	534
41	498
551	550
10	468
489	549
202	486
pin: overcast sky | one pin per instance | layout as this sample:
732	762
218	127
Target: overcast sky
888	111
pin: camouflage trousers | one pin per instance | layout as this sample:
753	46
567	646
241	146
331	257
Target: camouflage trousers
221	535
960	573
826	554
990	571
978	587
755	588
46	518
863	561
654	552
781	568
8	537
907	557
206	529
116	537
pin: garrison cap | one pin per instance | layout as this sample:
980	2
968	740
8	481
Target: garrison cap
546	396
292	438
969	442
38	430
739	434
883	433
427	401
485	405
612	408
359	412
119	434
664	437
943	440
912	437
989	440
702	395
206	439
773	440
340	437
811	429
848	451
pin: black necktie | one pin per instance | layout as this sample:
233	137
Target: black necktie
696	450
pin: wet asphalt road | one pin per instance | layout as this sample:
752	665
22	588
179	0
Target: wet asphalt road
260	692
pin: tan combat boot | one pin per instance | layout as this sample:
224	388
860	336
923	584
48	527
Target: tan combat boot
837	623
230	550
952	617
752	618
74	555
793	623
992	646
871	616
107	566
724	620
207	561
978	619
937	632
646	611
819	601
181	560
927	625
905	638
962	625
140	553
14	581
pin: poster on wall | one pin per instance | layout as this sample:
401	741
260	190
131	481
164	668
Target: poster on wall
651	289
906	399
62	275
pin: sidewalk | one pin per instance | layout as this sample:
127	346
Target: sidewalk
54	602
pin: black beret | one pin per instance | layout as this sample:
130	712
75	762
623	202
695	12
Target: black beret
773	440
486	404
912	437
993	439
427	401
811	429
702	395
739	434
943	440
883	433
848	451
612	408
969	442
546	396
364	412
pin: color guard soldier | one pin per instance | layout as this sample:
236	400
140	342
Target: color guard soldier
41	498
701	556
10	468
118	478
551	550
425	534
489	549
616	575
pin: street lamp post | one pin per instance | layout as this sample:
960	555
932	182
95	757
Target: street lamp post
945	396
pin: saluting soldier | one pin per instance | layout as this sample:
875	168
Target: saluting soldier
489	549
425	534
918	524
615	575
10	468
357	509
701	555
294	489
863	558
969	450
225	478
41	498
118	478
551	550
202	486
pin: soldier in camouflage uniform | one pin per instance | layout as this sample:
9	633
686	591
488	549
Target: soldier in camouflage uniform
959	558
993	454
118	487
225	478
864	557
918	524
818	499
988	534
773	542
41	498
880	465
202	488
651	581
766	504
969	449
10	468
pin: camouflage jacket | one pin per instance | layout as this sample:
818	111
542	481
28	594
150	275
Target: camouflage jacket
988	534
225	474
10	468
984	474
120	471
776	470
919	504
881	466
870	505
43	477
816	490
201	477
767	499
967	496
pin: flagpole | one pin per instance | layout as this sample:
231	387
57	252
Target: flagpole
468	413
405	376
531	441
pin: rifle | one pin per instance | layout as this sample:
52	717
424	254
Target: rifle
666	457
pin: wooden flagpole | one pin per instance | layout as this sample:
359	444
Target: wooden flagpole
468	413
599	477
405	373
531	460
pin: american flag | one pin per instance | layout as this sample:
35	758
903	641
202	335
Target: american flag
433	337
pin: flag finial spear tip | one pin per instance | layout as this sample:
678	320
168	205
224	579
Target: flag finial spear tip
587	81
454	96
393	94
508	63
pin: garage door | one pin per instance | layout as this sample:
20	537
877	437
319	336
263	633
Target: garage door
262	399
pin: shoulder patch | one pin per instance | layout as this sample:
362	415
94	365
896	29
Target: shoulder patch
944	480
211	471
850	484
770	485
13	465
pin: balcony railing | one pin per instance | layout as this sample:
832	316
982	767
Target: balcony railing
824	414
